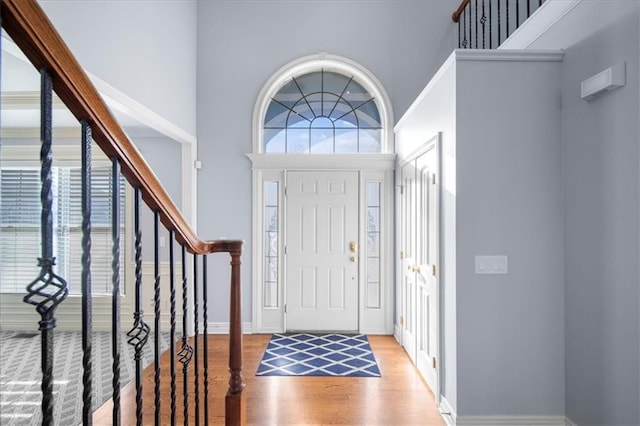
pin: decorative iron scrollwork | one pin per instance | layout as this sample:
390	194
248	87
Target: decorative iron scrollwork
46	292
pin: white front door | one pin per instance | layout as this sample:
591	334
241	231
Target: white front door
321	251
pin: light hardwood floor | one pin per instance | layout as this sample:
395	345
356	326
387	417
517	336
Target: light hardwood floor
399	397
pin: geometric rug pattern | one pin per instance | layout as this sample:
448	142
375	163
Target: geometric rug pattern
20	374
306	354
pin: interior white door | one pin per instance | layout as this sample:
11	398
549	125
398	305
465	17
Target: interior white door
426	268
408	242
321	251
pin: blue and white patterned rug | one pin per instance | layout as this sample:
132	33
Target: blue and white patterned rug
318	355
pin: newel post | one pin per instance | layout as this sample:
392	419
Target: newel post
234	401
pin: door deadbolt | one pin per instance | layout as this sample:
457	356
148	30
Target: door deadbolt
353	246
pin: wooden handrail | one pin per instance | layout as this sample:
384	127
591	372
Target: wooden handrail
31	30
459	10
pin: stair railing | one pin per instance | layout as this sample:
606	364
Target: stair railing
30	29
485	24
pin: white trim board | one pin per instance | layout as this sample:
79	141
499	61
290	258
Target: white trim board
512	421
447	412
451	419
223	328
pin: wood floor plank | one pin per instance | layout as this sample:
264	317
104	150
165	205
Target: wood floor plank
399	397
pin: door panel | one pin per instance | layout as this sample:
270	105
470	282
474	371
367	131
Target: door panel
409	261
426	272
321	278
419	230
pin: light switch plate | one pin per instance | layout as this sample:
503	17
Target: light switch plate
492	265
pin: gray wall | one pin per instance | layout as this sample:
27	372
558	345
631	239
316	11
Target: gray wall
242	44
164	156
602	185
510	333
145	49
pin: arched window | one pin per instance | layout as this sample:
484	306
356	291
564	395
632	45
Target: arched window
322	112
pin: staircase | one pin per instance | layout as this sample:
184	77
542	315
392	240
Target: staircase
25	22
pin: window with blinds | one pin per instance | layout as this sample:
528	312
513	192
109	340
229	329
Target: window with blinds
20	227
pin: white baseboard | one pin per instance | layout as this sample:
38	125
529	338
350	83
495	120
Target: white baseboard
447	412
397	333
223	328
568	422
512	421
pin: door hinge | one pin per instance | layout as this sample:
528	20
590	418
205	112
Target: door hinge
285	191
401	254
401	320
433	179
433	362
285	308
285	249
433	270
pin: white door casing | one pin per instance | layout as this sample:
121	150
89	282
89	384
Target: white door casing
321	274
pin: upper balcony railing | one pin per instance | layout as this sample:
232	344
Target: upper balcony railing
485	24
28	26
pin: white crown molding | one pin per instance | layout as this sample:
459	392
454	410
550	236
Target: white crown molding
545	17
323	161
509	55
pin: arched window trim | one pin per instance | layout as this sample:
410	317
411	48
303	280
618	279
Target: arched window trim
327	62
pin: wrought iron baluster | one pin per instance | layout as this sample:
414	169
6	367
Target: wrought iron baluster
499	29
195	345
172	337
138	335
156	311
476	26
115	302
48	290
483	21
186	351
517	13
470	27
528	8
506	36
464	28
459	38
490	26
205	318
85	281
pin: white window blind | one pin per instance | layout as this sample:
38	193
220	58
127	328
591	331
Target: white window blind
20	227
